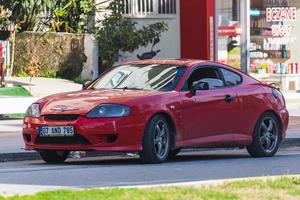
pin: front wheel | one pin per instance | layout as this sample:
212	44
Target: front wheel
156	141
266	136
54	157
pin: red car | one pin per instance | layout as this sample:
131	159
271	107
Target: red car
156	108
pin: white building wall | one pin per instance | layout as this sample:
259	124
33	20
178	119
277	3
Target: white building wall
90	68
169	42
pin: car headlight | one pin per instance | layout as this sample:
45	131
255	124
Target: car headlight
33	111
109	110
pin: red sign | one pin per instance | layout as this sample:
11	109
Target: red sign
1	50
233	31
281	14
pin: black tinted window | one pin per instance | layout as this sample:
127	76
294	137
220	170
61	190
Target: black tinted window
209	75
231	78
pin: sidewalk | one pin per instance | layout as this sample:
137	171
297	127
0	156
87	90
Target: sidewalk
15	105
293	103
41	87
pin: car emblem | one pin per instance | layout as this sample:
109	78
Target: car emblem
64	109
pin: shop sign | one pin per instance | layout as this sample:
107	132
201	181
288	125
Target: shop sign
281	30
281	14
255	13
230	30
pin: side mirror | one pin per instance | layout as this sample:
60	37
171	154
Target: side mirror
85	84
199	85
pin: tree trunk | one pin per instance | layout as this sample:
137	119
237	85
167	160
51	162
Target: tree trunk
13	51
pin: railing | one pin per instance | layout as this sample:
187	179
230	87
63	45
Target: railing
142	8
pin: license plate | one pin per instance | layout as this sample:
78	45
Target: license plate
56	131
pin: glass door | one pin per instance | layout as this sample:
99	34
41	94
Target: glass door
229	32
232	33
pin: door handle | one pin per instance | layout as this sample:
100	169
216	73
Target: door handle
229	98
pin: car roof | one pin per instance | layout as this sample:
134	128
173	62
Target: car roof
180	62
190	63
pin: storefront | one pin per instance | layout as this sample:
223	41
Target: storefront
264	36
274	47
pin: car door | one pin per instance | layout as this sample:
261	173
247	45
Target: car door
209	116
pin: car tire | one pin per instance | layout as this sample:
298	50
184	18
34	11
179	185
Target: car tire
173	153
54	157
266	136
156	141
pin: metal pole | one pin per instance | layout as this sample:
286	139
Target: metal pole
216	30
245	38
13	51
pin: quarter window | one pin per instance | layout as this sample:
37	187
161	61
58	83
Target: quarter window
231	78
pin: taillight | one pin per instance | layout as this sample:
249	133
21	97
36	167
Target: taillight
279	96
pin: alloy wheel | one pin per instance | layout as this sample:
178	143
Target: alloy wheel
161	139
268	134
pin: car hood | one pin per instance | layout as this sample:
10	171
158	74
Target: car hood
81	102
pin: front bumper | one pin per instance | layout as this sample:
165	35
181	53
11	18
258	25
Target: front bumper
107	134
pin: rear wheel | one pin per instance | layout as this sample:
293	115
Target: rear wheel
156	141
54	157
266	136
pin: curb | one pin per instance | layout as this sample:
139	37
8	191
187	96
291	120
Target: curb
14	189
22	156
27	156
33	155
290	142
205	184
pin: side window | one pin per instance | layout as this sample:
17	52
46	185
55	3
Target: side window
231	78
209	75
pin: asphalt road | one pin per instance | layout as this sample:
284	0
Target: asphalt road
125	171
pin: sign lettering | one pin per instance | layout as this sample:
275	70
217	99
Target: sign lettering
281	14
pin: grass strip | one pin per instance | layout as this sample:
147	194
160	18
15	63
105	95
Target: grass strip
12	116
281	188
14	91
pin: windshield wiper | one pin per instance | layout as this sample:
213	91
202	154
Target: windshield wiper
130	88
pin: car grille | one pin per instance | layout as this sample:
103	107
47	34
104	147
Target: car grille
61	117
74	140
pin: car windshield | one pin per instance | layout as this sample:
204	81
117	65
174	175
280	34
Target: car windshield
161	77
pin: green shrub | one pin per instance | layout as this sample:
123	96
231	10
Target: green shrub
54	54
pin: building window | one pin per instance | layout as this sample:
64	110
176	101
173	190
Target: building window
136	8
167	6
